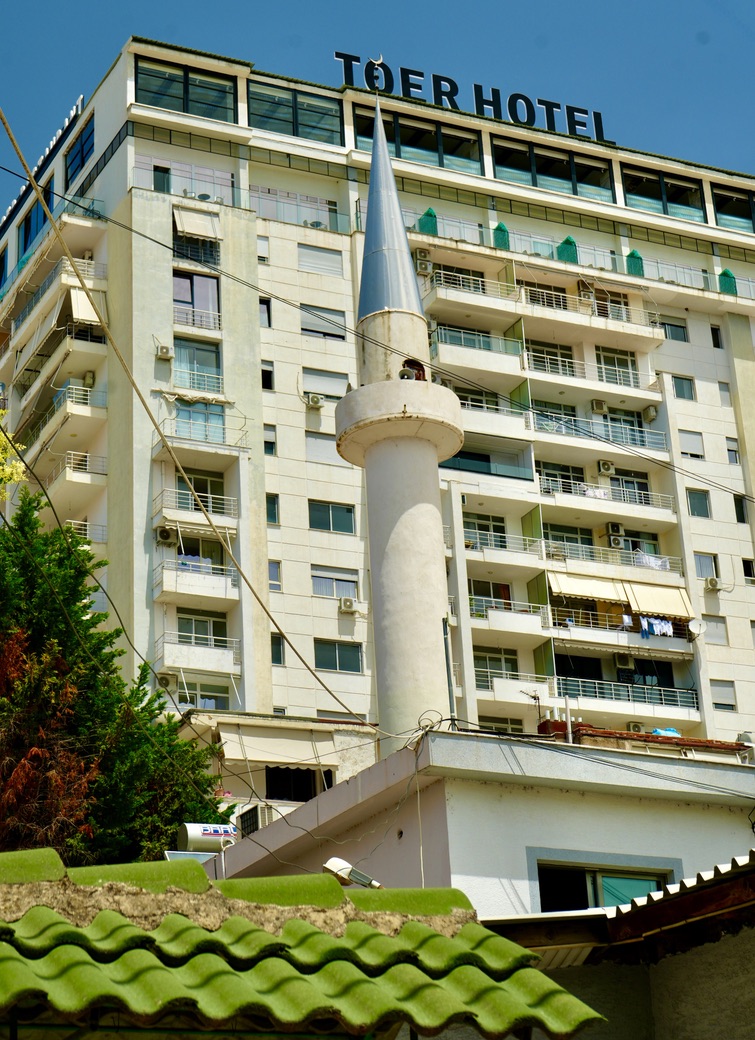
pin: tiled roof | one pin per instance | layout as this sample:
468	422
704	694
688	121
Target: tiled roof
282	954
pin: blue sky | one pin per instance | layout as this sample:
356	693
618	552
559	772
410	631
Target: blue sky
668	77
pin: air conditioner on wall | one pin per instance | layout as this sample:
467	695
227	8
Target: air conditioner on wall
713	585
166	536
650	414
165	351
315	400
347	605
421	254
606	468
635	727
623	660
616	541
423	266
167	680
613	528
599	407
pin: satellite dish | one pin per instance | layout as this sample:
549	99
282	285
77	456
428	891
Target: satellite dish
697	627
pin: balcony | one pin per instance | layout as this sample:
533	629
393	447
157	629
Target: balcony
618	632
90	532
77	480
203	251
195	582
192	182
179	510
612	691
84	410
182	651
204	382
594	429
563	551
504	684
523	623
196	319
199	440
87	268
535	362
290	208
601	492
84	348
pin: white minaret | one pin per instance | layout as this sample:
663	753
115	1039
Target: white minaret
399	428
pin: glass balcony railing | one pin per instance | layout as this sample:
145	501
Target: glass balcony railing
634	694
299	210
613	432
171	498
203	184
678	274
627	496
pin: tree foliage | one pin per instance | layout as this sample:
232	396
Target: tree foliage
88	765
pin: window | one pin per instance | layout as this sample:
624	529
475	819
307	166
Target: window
270	440
716	630
334	582
274	576
268	375
684	388
715	333
748	567
196	236
331	385
423	141
295	113
732	450
202	628
333	656
706	565
496	724
740	509
723	693
201	554
481	529
321	447
35	219
197	365
182	89
266	318
578	888
617	366
567	535
658	192
331	516
207	696
734	209
196	300
491	663
698	503
691	444
321	261
295	783
200	421
263	249
552	169
675	328
210	487
273	509
278	650
3	267
321	321
724	392
80	152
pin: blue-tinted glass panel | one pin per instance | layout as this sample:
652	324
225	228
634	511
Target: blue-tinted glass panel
160	85
512	162
80	152
461	151
271	108
211	96
318	118
733	209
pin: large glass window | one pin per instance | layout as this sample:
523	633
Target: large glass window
322	321
421	140
208	696
734	209
182	89
197	365
80	152
333	656
657	192
552	169
331	516
196	300
491	663
578	888
200	421
210	487
334	582
698	503
202	628
35	219
295	113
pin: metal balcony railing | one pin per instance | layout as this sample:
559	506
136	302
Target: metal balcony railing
199	250
195	639
615	433
205	382
483	404
92	532
627	496
480	606
612	691
78	395
475	284
568	618
452	606
204	430
484	678
77	462
170	498
198	319
474	541
612	557
570	368
88	268
196	565
474	341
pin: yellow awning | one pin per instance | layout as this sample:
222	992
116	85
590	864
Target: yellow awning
658	600
579	587
81	308
273	747
196	223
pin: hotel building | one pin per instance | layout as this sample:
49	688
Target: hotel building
590	305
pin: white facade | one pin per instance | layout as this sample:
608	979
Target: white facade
603	396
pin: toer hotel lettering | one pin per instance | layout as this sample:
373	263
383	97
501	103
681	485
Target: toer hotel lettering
519	108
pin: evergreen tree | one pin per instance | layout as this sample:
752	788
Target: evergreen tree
88	765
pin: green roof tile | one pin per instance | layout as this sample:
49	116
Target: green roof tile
299	890
154	877
17	868
419	902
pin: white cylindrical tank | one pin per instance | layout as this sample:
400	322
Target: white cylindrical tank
206	837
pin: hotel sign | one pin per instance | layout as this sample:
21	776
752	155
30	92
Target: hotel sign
443	91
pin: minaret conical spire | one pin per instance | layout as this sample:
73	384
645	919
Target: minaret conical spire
388	279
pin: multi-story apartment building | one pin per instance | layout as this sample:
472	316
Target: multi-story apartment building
590	305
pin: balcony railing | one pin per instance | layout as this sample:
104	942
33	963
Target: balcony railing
205	382
199	250
627	496
678	274
214	504
474	541
203	430
568	618
88	268
615	433
612	691
484	678
299	210
185	315
480	607
612	557
200	183
92	532
484	404
78	395
77	462
570	368
197	565
194	639
474	341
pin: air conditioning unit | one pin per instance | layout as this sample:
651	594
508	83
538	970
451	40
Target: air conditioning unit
650	414
614	528
421	254
423	266
258	816
606	468
599	407
623	660
315	400
167	680
165	351
713	585
615	541
347	605
166	536
635	727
